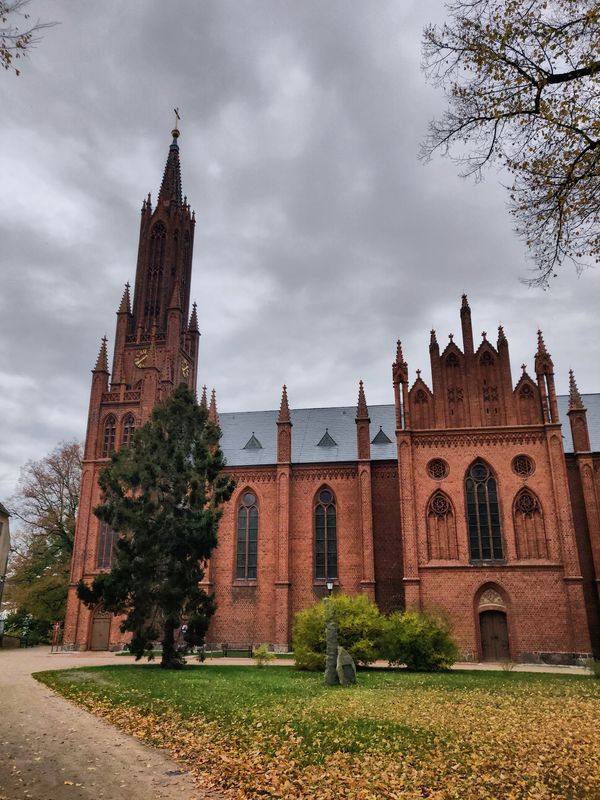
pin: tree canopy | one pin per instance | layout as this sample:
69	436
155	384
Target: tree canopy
522	80
44	509
163	496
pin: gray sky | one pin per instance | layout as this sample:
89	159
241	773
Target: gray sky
320	238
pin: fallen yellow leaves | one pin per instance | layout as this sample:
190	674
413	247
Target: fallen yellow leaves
395	741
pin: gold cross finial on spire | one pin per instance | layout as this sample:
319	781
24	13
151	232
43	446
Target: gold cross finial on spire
175	131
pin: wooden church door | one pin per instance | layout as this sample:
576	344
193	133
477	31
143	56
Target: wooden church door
100	630
494	636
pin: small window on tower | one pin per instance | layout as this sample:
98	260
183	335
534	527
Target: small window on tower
108	442
128	430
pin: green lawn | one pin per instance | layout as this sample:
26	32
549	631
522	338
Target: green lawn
279	733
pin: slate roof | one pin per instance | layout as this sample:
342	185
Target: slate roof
592	403
309	425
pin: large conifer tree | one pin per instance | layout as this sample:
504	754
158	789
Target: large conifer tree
163	496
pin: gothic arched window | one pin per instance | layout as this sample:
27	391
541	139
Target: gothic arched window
325	536
530	531
128	430
483	514
108	440
528	408
441	528
106	542
247	537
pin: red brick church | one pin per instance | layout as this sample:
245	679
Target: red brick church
473	495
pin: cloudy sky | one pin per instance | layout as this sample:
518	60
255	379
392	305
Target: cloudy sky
320	240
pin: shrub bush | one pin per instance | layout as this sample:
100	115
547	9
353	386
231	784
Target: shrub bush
360	626
262	655
421	640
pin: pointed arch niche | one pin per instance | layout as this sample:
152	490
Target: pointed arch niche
155	271
442	541
421	407
530	530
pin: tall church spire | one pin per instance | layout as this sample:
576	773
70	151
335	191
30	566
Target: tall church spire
164	256
170	188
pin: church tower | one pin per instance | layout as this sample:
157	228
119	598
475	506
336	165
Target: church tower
155	349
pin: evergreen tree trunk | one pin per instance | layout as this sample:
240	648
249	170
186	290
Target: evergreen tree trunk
170	657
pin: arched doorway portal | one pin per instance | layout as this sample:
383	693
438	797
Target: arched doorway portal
494	636
493	625
99	638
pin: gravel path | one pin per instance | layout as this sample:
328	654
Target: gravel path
52	750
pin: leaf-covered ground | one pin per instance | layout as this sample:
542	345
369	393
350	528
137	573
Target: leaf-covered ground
278	733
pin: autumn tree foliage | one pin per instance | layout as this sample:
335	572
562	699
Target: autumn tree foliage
15	39
522	80
163	495
43	510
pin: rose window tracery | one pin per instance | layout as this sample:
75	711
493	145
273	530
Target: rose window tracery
523	465
437	469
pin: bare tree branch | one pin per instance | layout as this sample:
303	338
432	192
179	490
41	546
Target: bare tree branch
522	81
15	42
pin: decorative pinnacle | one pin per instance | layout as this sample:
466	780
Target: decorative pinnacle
541	344
451	337
212	409
575	400
193	326
501	336
484	335
399	355
465	304
284	409
203	400
362	411
102	360
432	339
524	367
125	307
418	374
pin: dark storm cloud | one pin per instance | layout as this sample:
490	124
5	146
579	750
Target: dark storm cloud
320	237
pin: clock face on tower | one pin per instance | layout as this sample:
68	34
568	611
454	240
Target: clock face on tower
141	358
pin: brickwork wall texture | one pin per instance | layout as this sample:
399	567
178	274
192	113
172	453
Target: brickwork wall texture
393	542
